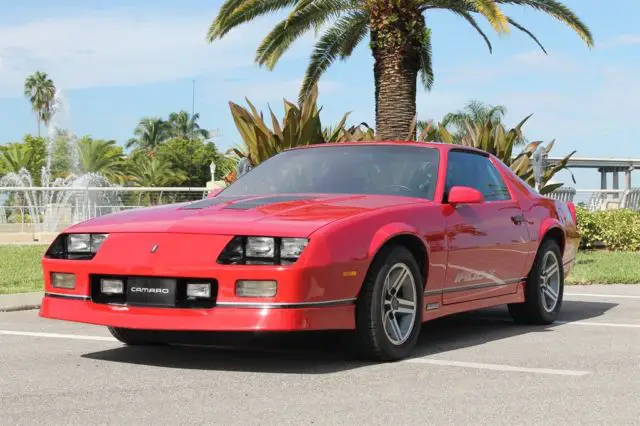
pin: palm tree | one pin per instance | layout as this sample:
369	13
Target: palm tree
184	125
476	112
15	157
473	116
102	157
150	133
41	91
400	41
148	171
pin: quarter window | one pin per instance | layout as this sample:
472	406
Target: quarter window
475	171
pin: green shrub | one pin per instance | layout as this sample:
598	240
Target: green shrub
614	229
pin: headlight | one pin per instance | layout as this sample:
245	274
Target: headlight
291	248
260	247
76	246
262	251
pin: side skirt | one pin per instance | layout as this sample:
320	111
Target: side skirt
435	309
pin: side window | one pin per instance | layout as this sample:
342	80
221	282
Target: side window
475	171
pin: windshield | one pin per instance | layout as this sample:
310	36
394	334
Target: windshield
344	169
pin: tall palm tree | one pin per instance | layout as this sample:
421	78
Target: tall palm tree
150	132
400	41
184	125
41	91
102	157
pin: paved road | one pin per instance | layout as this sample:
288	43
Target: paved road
470	369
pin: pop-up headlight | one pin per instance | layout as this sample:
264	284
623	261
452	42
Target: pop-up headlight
262	251
76	246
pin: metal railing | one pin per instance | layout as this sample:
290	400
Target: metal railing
36	210
51	209
600	199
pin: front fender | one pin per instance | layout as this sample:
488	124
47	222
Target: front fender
390	231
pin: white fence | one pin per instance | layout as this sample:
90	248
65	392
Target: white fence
30	210
600	199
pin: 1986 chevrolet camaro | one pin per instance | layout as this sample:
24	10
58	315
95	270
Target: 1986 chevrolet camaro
372	237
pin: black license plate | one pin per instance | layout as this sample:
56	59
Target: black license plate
151	291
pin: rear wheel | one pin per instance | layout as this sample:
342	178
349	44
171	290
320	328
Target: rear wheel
389	309
544	288
134	337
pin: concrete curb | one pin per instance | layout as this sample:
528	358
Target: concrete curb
20	301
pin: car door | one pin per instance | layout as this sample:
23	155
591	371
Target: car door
487	243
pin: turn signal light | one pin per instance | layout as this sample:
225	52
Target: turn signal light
62	280
255	288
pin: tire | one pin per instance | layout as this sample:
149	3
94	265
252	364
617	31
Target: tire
537	309
375	337
133	337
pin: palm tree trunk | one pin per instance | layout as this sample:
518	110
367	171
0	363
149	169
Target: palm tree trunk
395	44
38	119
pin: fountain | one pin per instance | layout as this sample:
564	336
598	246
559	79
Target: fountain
64	196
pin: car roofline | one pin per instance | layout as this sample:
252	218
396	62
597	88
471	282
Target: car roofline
430	144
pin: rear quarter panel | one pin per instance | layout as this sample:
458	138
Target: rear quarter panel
542	215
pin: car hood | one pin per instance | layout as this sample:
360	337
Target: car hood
276	215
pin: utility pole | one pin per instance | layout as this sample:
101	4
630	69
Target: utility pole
193	103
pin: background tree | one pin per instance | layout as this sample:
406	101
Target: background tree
184	125
192	158
103	157
28	154
400	41
40	91
148	171
149	134
477	112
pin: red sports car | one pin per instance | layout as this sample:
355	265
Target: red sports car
372	237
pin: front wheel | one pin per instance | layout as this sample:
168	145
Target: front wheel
544	288
389	309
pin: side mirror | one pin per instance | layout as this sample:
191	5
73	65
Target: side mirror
465	195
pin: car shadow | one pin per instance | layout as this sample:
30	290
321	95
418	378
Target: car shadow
329	352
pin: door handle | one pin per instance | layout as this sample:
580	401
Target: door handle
517	219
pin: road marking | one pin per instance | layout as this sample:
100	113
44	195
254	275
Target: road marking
497	367
598	324
56	335
619	296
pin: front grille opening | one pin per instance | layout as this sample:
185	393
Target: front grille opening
166	292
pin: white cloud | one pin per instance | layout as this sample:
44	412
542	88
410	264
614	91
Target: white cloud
275	91
121	48
621	40
532	62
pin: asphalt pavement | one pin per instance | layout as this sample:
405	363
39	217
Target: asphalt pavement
476	368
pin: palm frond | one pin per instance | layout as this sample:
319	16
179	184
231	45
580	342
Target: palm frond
237	12
337	41
426	64
560	12
492	12
308	16
529	33
471	20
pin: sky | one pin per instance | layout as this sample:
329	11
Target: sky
121	60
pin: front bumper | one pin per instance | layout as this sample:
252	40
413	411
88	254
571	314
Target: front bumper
310	295
333	315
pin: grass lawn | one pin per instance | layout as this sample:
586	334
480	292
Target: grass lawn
603	267
20	268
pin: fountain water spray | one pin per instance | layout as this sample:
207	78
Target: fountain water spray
47	204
